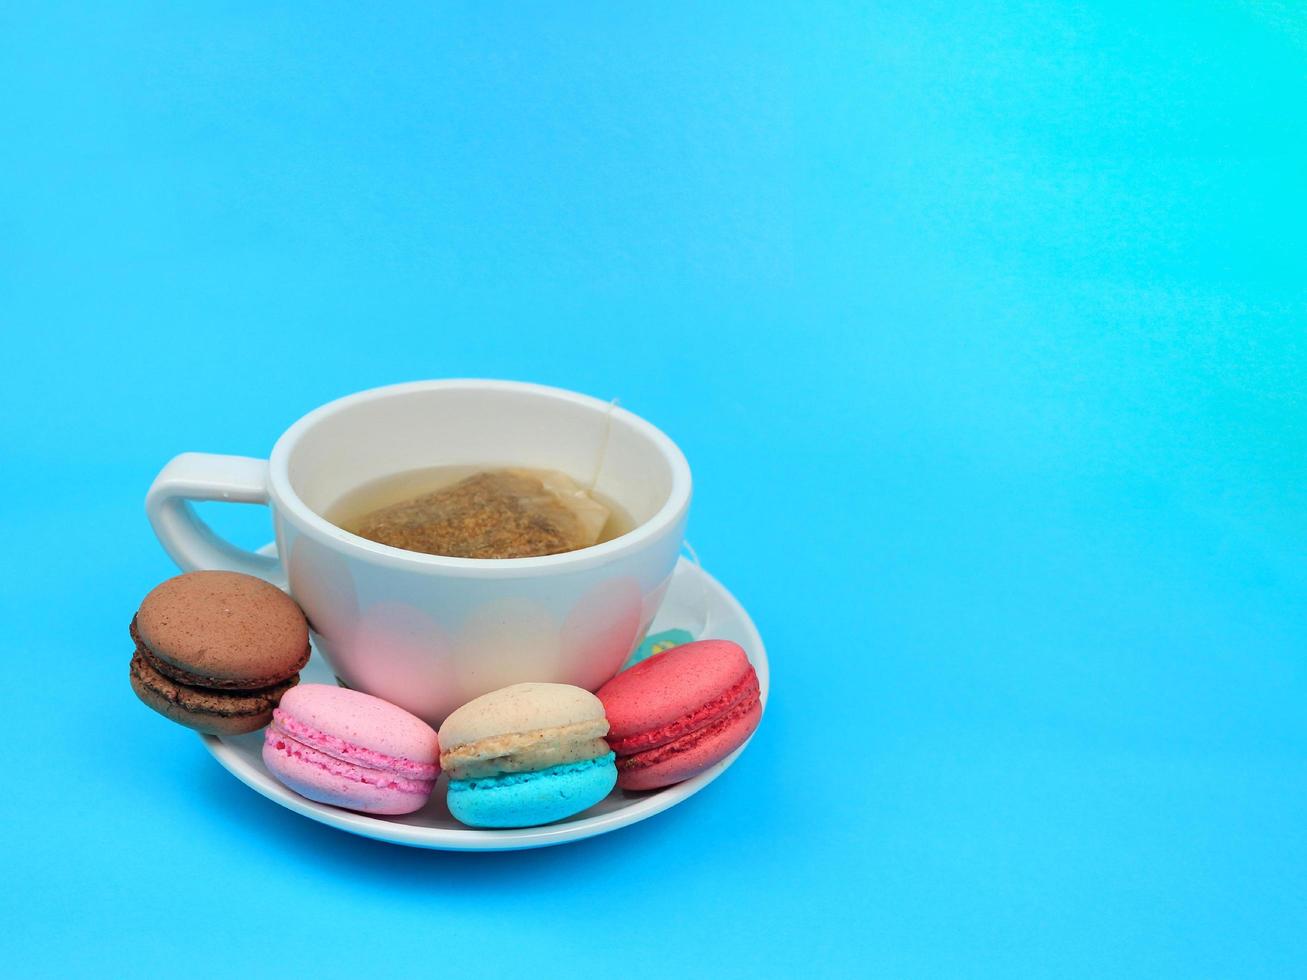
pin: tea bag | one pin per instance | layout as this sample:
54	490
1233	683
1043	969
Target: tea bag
508	513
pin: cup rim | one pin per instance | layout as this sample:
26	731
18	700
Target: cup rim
309	521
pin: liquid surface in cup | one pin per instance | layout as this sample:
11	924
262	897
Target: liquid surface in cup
478	512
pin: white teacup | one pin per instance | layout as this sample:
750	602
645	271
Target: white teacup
424	631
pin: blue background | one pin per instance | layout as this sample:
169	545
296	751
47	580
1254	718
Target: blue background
982	325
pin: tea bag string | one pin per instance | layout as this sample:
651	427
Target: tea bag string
602	457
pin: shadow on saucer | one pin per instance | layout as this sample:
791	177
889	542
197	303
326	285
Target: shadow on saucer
430	872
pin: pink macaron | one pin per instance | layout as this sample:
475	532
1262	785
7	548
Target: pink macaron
672	716
351	750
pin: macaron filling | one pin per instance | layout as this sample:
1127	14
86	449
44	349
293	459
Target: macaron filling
664	751
196	699
320	745
732	703
308	755
526	751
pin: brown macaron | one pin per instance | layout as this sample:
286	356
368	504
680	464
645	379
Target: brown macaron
215	651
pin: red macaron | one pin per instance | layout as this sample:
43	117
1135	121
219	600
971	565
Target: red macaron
676	714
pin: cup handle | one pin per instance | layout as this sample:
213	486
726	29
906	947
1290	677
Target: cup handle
190	542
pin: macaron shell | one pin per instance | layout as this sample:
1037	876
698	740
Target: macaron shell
223	629
204	709
662	690
691	754
363	721
327	780
531	799
518	709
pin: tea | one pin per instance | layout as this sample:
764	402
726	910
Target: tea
475	512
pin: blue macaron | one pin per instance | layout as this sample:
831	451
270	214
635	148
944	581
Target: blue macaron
525	755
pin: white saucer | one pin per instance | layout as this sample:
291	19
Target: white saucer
695	602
